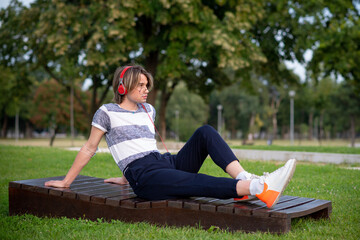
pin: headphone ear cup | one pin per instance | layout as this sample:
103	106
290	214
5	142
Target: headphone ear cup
122	90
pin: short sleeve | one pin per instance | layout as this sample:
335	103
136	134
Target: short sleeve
154	113
101	120
149	109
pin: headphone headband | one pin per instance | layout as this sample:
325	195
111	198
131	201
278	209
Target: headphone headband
121	89
123	72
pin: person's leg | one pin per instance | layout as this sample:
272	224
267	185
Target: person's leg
206	141
154	179
161	184
234	168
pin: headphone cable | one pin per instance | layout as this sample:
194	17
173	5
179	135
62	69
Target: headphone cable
154	127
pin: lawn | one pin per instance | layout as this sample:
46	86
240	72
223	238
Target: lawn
325	181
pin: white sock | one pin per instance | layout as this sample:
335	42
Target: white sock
256	187
244	175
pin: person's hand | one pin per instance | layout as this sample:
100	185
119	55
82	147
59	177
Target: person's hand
121	180
57	184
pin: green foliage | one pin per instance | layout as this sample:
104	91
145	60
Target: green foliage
206	44
191	109
52	108
238	108
15	80
336	35
7	82
189	41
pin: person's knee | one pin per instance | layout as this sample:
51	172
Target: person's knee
205	130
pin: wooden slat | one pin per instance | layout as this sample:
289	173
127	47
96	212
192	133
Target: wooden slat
189	204
207	207
305	209
115	201
284	202
101	198
87	194
85	184
175	204
159	204
130	202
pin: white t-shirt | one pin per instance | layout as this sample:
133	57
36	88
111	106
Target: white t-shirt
129	135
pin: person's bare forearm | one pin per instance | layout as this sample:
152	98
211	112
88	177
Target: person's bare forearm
79	163
82	158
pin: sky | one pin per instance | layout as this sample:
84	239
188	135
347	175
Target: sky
295	66
5	3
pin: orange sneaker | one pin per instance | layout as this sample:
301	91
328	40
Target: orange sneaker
245	198
276	182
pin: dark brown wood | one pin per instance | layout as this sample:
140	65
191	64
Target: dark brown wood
91	198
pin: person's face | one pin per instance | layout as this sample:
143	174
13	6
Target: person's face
140	92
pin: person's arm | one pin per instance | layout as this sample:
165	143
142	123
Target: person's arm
82	158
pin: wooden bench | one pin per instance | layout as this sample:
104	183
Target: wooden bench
91	198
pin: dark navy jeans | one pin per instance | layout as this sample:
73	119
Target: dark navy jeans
165	176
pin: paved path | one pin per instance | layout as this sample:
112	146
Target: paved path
266	155
335	158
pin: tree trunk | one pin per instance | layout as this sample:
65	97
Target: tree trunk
165	97
352	130
28	130
311	118
275	104
250	136
321	126
252	122
152	58
151	63
233	128
5	126
152	97
53	136
163	106
274	122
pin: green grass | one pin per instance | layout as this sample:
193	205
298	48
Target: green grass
321	149
325	181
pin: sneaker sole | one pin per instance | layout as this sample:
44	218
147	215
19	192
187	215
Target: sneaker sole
287	182
245	198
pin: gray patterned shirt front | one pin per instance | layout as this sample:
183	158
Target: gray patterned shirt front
129	135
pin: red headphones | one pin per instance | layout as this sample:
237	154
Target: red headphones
121	89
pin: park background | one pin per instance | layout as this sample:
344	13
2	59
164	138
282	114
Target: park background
58	57
229	64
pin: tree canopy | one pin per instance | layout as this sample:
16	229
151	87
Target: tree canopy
208	45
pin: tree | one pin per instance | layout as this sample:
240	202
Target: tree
240	109
192	112
335	40
73	41
7	103
51	109
335	43
349	101
194	42
15	78
177	41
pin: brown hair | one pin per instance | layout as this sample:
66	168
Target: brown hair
130	80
